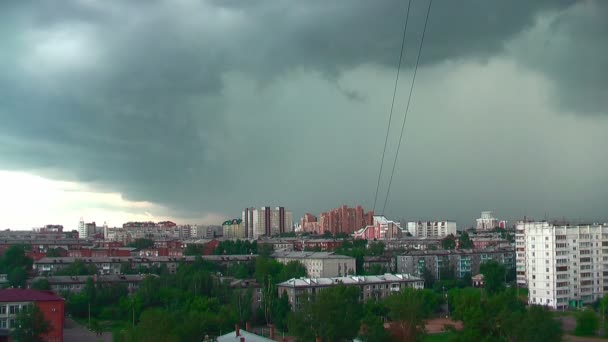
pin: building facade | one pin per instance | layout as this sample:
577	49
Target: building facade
266	221
371	287
461	262
432	228
320	264
12	301
75	284
487	221
345	220
381	229
562	266
233	229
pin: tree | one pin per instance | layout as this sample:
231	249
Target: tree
538	324
142	243
464	241
407	311
281	311
428	277
30	325
265	250
376	248
449	242
587	323
193	249
41	284
372	329
293	269
333	315
55	252
17	277
493	276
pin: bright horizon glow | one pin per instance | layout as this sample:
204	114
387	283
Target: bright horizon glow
29	201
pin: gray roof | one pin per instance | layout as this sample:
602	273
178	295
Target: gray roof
308	255
67	260
350	280
113	278
249	337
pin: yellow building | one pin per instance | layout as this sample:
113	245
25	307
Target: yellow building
233	229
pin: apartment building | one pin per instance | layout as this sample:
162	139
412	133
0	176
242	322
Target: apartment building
381	229
266	221
431	228
107	266
562	266
233	229
12	301
462	262
345	220
75	284
487	221
320	264
372	287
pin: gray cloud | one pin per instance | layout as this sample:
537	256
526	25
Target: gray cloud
185	103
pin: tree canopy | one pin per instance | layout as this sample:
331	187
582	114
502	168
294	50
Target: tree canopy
30	325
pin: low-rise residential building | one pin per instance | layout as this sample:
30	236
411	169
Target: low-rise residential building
432	228
461	262
372	287
320	264
487	221
410	243
378	262
75	284
12	301
105	266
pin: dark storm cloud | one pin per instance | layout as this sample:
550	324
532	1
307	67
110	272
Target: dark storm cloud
140	107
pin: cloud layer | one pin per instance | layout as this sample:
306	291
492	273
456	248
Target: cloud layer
210	106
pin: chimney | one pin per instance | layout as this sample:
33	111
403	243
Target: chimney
237	330
248	326
272	331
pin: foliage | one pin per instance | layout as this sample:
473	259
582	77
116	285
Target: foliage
494	274
194	249
333	314
587	323
142	243
55	252
464	241
408	310
238	247
30	325
449	242
501	317
428	277
265	250
372	329
41	284
15	264
77	268
376	248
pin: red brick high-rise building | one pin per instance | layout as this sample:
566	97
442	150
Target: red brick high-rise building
345	220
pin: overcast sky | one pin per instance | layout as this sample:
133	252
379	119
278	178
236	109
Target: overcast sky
192	110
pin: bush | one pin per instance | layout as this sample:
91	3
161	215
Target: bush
587	323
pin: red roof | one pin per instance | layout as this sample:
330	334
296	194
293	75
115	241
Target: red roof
23	295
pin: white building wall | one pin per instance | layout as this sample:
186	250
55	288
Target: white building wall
431	228
563	265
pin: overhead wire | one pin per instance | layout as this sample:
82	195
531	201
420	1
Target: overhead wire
390	117
407	108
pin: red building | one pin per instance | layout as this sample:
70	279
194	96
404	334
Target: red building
14	300
345	220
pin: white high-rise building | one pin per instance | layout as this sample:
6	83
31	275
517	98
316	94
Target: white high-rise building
487	221
431	228
562	266
83	229
266	221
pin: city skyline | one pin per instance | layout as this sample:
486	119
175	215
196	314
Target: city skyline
190	111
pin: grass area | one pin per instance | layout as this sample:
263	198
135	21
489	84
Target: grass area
105	325
441	337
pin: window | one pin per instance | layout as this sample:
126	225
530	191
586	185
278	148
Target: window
3	323
2	309
13	309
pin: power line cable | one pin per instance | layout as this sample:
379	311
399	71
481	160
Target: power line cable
390	117
409	99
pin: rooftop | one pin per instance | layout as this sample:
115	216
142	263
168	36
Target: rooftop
309	255
26	295
350	280
249	337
